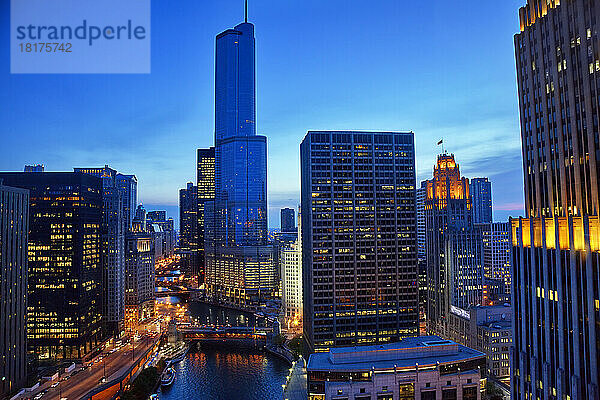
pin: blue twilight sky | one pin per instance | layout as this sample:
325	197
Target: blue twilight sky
438	68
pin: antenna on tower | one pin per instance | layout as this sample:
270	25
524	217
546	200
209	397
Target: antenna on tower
246	11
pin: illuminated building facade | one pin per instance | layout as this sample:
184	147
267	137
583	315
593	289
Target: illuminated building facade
454	265
206	192
288	220
480	190
64	317
139	275
556	273
290	259
487	329
359	238
14	226
113	247
240	268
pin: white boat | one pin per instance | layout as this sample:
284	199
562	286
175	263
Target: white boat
168	377
182	353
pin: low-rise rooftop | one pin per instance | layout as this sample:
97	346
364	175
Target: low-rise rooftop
421	350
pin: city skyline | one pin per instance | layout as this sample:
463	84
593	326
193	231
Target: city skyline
434	234
174	104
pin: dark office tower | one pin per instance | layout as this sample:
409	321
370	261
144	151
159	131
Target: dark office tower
128	186
64	305
14	225
239	263
422	255
454	265
288	220
206	192
113	247
188	227
556	272
481	197
421	237
188	238
140	219
359	238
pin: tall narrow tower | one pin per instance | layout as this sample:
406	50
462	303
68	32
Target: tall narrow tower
239	263
556	263
454	271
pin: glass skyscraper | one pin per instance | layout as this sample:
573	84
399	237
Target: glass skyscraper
239	263
481	198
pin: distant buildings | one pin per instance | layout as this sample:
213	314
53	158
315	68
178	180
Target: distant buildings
64	319
34	168
487	329
454	264
206	192
496	252
163	233
359	238
481	197
288	220
556	278
291	276
240	268
139	274
426	368
14	226
156	216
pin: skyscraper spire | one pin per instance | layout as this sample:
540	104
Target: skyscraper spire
246	11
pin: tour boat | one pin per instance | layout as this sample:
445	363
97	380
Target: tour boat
168	376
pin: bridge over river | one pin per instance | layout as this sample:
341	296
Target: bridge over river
242	334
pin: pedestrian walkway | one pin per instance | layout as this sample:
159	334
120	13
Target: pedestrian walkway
296	386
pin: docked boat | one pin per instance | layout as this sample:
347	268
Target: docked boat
168	377
180	355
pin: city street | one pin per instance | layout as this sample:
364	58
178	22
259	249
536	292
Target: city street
109	364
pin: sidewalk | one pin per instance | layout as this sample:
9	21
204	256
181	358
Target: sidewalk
296	388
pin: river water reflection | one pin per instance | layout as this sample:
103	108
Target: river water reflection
226	372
